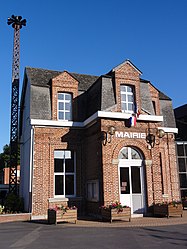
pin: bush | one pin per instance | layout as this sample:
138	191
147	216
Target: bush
13	203
1	209
3	194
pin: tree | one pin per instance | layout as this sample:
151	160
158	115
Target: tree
5	157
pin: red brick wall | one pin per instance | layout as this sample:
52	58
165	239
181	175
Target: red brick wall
64	83
126	74
153	179
6	172
155	97
92	164
14	217
95	161
46	141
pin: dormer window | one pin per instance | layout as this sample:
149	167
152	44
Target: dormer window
127	98
64	106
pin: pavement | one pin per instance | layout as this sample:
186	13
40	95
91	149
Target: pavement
135	222
140	233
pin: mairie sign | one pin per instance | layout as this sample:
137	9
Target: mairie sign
121	134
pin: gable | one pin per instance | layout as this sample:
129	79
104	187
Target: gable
65	80
128	66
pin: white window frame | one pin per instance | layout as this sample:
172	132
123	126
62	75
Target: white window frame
184	156
65	101
93	190
129	153
60	154
127	93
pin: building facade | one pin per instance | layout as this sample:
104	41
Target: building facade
91	140
6	174
181	141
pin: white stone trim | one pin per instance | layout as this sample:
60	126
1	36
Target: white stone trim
114	115
168	129
115	161
148	162
58	199
122	115
91	119
43	122
98	114
150	118
38	217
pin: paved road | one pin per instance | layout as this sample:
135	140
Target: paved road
25	235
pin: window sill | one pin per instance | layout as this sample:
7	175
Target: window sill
55	199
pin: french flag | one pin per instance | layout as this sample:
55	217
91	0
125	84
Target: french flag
132	121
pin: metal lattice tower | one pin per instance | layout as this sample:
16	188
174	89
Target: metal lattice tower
17	23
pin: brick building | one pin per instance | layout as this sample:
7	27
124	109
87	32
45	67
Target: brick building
6	173
90	140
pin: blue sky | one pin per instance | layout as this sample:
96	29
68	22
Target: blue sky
92	37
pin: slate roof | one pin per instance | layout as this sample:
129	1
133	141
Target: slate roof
85	81
40	104
181	122
100	96
145	94
162	96
98	93
181	111
168	113
41	77
165	104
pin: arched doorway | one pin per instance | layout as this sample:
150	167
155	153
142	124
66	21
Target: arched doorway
131	179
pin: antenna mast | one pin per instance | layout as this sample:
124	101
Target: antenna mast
17	23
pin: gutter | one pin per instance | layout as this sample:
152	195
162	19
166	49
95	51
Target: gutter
31	169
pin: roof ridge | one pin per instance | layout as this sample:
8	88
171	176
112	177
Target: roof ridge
43	69
51	70
83	74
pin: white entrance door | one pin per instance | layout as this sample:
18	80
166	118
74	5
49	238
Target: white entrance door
131	180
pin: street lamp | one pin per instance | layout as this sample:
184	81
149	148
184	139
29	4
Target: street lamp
107	136
152	134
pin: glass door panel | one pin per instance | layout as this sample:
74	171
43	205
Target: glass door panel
135	179
125	197
124	181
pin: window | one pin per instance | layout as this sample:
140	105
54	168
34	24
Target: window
161	171
154	106
64	106
129	153
135	179
64	173
93	190
124	180
127	98
182	166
